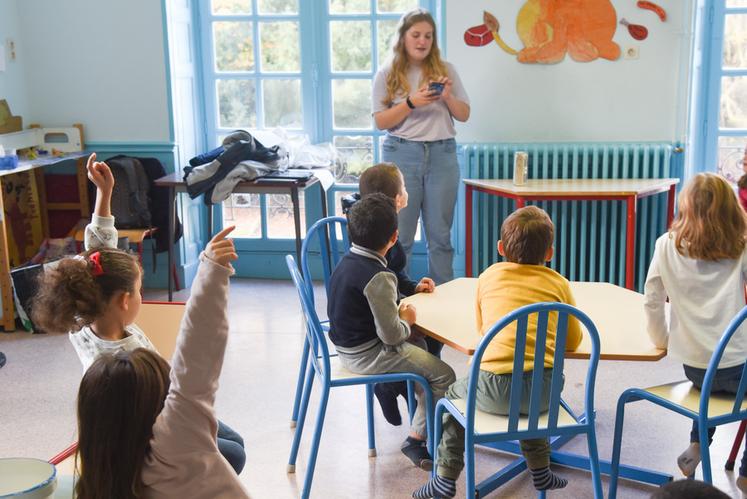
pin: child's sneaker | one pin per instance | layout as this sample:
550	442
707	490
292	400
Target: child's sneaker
417	452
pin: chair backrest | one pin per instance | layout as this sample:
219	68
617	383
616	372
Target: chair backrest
705	390
319	351
521	317
324	233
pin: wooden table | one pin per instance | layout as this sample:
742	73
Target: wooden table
176	183
448	315
628	190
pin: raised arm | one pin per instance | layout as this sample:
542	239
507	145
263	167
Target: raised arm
101	233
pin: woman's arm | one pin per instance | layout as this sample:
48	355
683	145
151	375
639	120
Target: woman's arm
389	118
458	108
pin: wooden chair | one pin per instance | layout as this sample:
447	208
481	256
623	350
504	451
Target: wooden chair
706	409
330	374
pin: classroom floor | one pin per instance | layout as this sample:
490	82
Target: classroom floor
39	383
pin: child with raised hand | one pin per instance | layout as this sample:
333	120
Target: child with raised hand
145	432
96	297
701	266
526	243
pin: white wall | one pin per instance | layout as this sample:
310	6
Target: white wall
12	80
99	63
625	100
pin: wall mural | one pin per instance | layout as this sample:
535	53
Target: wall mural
550	29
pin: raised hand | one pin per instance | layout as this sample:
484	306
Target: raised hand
221	250
100	174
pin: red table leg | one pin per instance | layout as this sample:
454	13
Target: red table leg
630	244
520	203
468	230
670	205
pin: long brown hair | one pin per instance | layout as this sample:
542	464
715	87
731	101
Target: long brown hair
710	223
433	66
119	399
71	295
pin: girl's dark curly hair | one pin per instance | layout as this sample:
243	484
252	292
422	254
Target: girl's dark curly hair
70	296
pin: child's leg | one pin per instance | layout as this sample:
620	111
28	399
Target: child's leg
386	394
537	454
231	446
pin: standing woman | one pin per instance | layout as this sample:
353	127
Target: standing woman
420	135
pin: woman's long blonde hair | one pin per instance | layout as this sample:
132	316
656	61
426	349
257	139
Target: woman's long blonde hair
710	223
433	66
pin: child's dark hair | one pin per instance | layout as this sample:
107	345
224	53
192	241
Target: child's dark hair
688	489
372	221
384	178
119	399
527	234
76	291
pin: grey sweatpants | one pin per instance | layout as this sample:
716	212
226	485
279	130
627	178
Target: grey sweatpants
401	358
492	395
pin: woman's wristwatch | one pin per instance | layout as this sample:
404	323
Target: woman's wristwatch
409	103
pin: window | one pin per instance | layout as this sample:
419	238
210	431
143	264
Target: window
725	124
305	66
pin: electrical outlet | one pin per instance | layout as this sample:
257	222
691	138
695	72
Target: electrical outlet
630	52
11	49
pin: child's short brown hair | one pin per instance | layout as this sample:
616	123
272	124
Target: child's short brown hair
384	178
527	235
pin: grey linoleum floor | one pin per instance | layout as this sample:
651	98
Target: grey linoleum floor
38	387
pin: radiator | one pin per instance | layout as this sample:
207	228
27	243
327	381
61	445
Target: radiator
589	235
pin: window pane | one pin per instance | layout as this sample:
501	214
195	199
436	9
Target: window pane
396	5
233	46
730	154
349	6
280	216
386	32
735	41
237	104
351	103
277	6
232	7
282	100
733	102
351	45
736	3
243	211
357	153
279	46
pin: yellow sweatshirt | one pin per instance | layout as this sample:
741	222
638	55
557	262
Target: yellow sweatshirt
503	288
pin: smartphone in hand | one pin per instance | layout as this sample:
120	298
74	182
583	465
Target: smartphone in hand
436	88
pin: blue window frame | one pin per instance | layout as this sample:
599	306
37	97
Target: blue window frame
722	95
252	79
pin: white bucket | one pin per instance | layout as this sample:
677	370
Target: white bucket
27	478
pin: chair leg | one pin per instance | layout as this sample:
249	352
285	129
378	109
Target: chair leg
315	442
469	464
411	399
370	421
705	453
177	284
301	419
617	444
596	476
735	447
438	416
299	383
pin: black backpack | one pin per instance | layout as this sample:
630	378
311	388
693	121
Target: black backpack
130	196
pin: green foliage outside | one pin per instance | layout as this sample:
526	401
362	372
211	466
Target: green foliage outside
279	46
233	46
351	45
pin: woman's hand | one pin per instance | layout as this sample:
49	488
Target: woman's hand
446	94
221	250
423	97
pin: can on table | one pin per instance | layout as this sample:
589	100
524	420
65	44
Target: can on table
521	167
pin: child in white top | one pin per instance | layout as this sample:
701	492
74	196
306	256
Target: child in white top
96	297
701	266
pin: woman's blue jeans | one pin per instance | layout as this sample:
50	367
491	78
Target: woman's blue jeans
431	174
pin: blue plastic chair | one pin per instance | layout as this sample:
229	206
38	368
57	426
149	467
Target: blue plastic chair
683	398
331	374
322	237
331	251
481	427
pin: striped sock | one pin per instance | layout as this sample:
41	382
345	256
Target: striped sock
436	488
544	479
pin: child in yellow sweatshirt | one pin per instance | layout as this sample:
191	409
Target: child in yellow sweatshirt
527	244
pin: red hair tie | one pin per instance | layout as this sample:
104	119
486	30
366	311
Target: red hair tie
95	259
